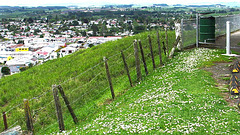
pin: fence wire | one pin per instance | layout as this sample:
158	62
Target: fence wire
189	27
220	24
89	88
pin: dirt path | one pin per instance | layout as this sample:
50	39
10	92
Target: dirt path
222	71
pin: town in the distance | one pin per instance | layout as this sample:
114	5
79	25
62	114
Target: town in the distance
30	36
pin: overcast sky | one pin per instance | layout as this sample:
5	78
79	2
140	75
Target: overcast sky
103	2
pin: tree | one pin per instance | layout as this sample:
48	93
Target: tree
5	70
23	68
30	65
139	28
36	31
90	45
30	20
84	33
20	41
75	23
95	29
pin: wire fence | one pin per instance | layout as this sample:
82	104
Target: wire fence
220	26
188	32
89	90
189	27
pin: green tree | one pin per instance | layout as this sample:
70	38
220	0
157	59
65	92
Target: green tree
75	23
23	68
139	28
5	70
95	29
90	45
84	33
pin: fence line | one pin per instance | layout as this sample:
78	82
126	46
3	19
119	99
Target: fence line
37	97
45	93
85	83
13	108
13	124
96	89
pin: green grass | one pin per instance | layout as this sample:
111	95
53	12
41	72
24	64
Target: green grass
83	78
178	98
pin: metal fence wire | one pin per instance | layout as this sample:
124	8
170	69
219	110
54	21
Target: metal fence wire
189	27
220	24
188	32
89	89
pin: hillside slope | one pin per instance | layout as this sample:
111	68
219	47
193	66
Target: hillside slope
82	76
178	98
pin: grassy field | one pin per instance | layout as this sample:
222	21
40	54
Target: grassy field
83	78
178	98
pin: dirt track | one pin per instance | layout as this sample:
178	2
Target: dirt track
221	70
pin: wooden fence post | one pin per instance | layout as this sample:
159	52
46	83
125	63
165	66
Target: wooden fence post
143	58
28	116
109	78
151	50
137	62
75	120
5	121
159	49
166	38
126	68
58	108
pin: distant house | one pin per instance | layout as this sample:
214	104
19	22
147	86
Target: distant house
68	50
14	69
21	61
54	55
46	51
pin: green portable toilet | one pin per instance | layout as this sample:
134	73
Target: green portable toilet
207	30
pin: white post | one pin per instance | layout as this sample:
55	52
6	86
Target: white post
228	34
197	30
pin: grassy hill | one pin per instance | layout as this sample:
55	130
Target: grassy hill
83	78
179	98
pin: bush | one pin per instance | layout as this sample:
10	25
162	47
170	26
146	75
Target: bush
5	71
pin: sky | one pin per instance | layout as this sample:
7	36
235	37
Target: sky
105	2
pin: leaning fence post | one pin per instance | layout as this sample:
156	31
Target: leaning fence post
5	121
126	68
109	78
159	49
143	58
75	120
137	61
58	108
166	38
28	116
151	50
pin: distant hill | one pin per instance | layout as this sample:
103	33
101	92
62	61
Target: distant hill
160	5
